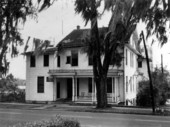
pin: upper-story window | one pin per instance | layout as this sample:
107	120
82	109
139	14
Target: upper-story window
46	60
140	64
126	83
126	57
68	59
74	58
90	60
32	61
58	61
131	59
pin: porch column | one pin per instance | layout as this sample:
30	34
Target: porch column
112	88
73	89
115	89
54	89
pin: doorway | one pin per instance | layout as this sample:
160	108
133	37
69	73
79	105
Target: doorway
58	90
69	88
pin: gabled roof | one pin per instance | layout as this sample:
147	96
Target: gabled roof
76	37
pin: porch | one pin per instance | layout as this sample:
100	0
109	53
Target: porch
80	88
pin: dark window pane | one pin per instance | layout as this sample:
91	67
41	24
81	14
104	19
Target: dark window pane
32	61
140	64
68	60
126	57
46	60
109	85
90	60
58	61
40	85
74	56
90	85
126	83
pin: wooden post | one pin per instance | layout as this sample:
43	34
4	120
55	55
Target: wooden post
149	73
73	89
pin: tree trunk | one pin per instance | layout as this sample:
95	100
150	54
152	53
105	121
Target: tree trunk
101	85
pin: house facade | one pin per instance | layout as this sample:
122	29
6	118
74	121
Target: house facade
69	74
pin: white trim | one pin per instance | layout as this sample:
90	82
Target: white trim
115	89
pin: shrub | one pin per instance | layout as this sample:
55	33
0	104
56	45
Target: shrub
18	96
144	98
54	122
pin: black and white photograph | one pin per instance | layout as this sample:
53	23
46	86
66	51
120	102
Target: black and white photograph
84	63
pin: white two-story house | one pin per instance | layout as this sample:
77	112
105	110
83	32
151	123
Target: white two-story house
68	74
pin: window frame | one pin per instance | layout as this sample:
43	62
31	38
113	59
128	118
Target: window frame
46	60
126	57
126	84
74	58
40	84
58	61
68	59
32	61
139	64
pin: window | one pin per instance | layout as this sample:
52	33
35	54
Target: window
90	60
40	85
109	85
32	61
58	61
90	85
46	60
68	60
74	57
130	82
140	64
126	57
126	83
131	59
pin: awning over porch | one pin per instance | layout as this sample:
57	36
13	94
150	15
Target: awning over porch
81	73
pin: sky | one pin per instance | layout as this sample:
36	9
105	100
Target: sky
58	21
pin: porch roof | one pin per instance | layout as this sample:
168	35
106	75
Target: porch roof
81	73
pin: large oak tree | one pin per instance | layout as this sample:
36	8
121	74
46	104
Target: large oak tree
126	14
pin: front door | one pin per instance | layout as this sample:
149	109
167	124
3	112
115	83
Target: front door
58	89
69	88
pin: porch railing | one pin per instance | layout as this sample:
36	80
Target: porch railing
88	97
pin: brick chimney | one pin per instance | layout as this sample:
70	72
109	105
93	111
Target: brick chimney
78	27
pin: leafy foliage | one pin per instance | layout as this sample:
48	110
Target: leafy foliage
58	121
126	14
160	89
13	13
9	90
